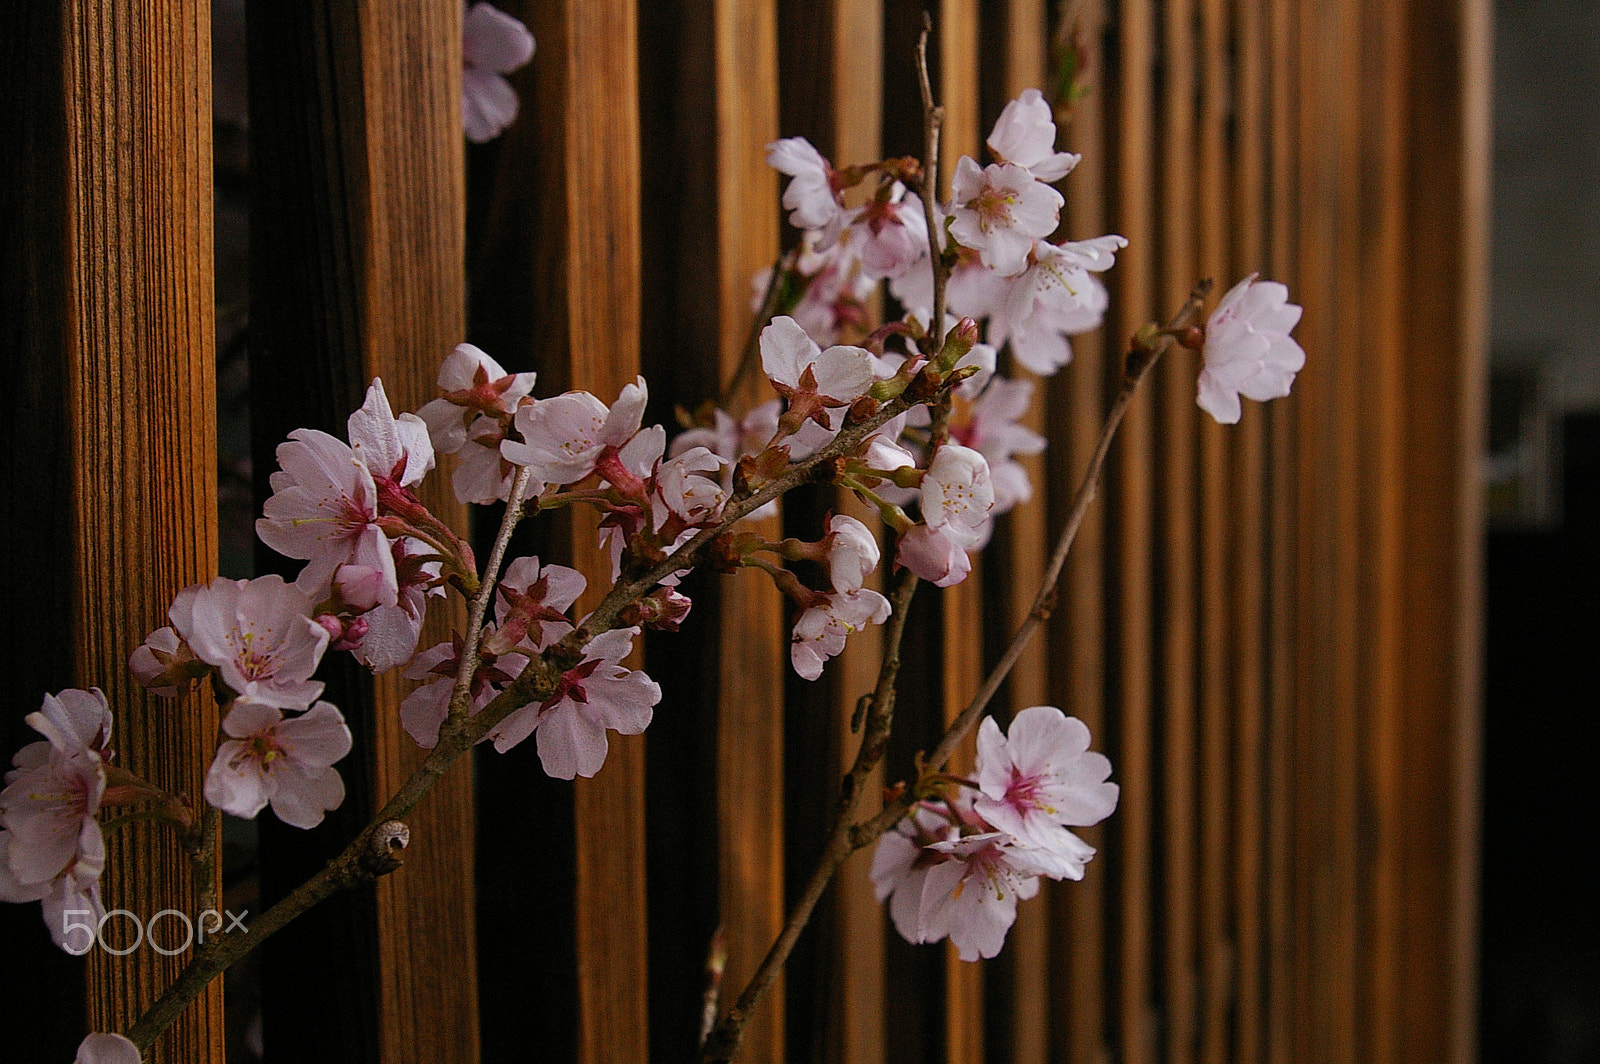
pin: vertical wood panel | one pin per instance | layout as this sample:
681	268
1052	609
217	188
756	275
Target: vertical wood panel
1020	549
753	630
956	39
141	432
1218	561
1247	599
1131	486
1074	408
1174	557
412	314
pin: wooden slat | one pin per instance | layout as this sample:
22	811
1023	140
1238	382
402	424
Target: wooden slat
1247	602
1020	550
753	625
412	281
1445	347
1282	992
338	134
589	152
1133	302
1074	407
139	438
956	38
1174	558
860	1031
1384	414
1217	563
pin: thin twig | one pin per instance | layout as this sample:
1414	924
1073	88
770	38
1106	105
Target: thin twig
932	120
467	667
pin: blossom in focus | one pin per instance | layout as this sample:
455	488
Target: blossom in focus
391	631
493	44
1055	297
479	400
900	865
1025	134
972	896
809	377
938	556
957	489
564	437
1000	211
424	710
597	695
820	631
392	448
107	1049
1038	778
285	762
1248	349
852	552
260	634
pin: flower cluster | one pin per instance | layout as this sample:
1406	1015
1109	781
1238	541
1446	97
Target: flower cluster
957	866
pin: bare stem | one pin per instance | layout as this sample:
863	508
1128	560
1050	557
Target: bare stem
461	693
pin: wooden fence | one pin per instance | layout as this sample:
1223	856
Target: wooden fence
1271	629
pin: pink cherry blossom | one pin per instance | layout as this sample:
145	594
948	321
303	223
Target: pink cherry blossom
285	762
107	1049
531	605
809	377
1041	777
51	847
391	631
1055	297
937	555
564	437
900	865
1248	350
599	694
392	448
493	44
819	632
852	552
165	664
261	636
689	487
989	424
811	199
424	710
474	386
999	211
972	897
890	236
1025	134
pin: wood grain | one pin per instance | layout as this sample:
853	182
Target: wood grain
140	435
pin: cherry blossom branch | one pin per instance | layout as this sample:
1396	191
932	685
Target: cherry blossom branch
467	668
932	121
845	838
723	1042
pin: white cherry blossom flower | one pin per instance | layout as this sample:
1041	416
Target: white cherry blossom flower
1025	134
999	211
852	552
324	502
900	865
261	636
1055	297
564	437
1040	777
1248	350
493	44
689	487
811	199
890	237
972	897
600	694
287	763
798	368
938	556
392	448
989	424
51	847
165	664
107	1049
819	632
957	489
